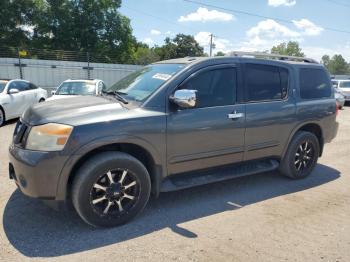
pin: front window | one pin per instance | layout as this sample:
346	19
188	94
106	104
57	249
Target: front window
139	85
344	84
2	85
76	88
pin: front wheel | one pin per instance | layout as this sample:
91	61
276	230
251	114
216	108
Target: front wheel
2	117
110	189
301	156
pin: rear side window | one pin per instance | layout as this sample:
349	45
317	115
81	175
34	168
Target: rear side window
32	86
22	86
265	82
314	83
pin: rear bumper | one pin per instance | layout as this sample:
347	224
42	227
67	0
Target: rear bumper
35	173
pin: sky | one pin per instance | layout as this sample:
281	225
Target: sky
305	21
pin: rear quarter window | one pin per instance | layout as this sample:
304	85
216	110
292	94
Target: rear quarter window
314	83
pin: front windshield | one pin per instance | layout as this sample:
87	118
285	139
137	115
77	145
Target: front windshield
76	88
141	84
344	84
2	85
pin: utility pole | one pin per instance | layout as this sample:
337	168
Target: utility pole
211	45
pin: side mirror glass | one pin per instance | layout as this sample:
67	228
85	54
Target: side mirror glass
184	98
13	91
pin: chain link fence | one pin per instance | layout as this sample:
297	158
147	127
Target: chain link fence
48	68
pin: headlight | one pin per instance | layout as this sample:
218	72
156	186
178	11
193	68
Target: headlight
48	137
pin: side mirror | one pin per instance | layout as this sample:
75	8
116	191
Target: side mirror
53	92
13	91
184	98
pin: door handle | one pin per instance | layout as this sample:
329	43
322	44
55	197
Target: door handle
235	115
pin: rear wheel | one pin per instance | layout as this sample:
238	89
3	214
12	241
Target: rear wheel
110	189
301	156
42	100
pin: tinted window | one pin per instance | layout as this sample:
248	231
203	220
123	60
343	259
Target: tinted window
214	88
264	82
2	85
16	85
22	86
32	86
314	83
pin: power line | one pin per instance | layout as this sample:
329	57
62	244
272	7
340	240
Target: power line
235	11
160	18
339	3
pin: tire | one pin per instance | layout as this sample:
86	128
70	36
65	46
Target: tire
301	156
102	177
2	117
42	100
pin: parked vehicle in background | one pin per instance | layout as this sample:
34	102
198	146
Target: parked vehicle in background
16	96
344	86
172	125
78	87
340	97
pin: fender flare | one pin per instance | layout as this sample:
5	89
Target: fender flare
72	160
296	129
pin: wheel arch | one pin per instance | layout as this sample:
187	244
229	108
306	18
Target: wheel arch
138	151
312	127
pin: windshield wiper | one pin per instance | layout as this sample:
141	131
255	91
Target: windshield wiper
117	95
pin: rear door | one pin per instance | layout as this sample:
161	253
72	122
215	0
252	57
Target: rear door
270	109
16	101
212	133
35	91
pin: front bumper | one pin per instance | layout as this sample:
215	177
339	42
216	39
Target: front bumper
36	173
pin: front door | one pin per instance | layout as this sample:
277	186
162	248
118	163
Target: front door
212	133
16	101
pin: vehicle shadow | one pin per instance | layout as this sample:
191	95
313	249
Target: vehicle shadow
10	122
37	231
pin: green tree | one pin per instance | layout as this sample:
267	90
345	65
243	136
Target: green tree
84	25
145	55
77	25
336	65
220	53
291	48
15	22
325	60
180	46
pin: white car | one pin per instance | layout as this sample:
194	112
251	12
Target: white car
343	86
72	88
16	96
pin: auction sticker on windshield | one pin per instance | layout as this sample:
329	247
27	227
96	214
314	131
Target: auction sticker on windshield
161	76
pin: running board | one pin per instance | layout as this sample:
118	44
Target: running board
197	178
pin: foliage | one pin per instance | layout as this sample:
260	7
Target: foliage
180	46
145	55
336	65
220	53
291	48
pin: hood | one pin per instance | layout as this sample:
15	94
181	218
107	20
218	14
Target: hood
74	111
56	97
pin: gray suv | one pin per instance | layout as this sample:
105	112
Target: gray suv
172	125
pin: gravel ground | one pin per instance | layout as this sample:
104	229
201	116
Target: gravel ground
264	217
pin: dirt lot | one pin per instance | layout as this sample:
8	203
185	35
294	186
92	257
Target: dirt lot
264	217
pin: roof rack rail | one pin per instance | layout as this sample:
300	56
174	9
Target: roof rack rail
274	56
